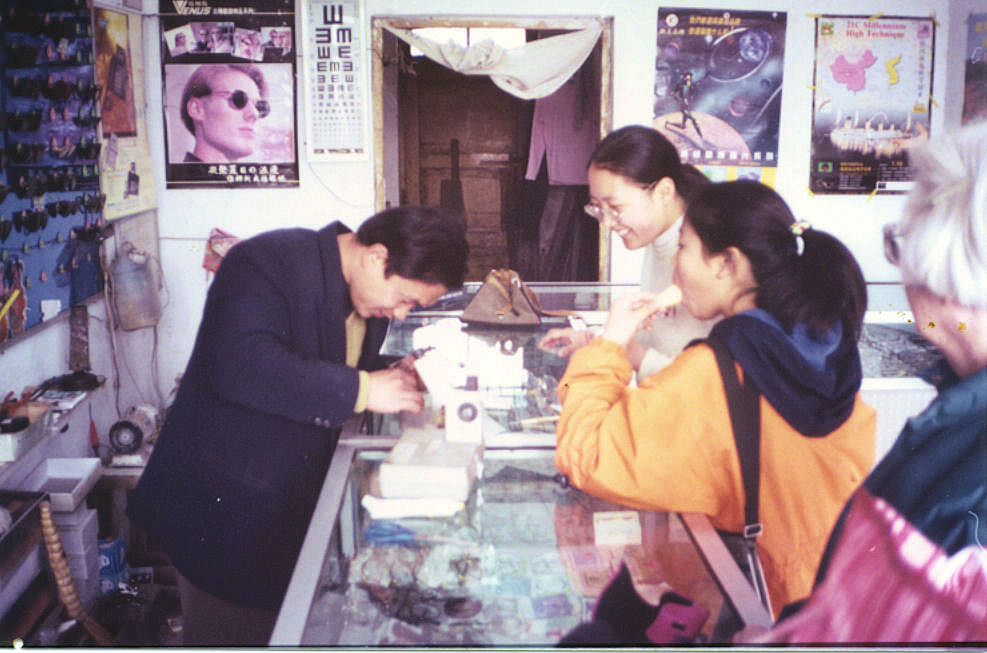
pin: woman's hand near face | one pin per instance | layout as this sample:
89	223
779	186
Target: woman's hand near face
562	342
630	314
635	353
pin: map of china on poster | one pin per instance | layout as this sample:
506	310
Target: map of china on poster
872	100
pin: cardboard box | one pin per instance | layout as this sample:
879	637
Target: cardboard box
66	480
81	537
423	464
84	566
16	444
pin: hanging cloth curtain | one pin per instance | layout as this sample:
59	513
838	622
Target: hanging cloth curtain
531	71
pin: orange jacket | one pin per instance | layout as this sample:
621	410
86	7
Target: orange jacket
668	445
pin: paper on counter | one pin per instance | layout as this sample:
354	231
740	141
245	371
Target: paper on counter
616	528
398	508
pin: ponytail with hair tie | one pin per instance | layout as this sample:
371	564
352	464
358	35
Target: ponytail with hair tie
797	229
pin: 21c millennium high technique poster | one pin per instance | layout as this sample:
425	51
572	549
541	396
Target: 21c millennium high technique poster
229	93
872	101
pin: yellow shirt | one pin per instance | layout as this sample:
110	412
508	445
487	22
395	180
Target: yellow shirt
356	330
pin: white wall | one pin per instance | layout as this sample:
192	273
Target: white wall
345	190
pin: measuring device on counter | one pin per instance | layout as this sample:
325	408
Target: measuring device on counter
126	437
129	434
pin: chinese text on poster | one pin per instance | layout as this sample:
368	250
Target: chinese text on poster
717	93
872	100
229	93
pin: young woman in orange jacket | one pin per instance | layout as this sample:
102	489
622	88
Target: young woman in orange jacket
792	301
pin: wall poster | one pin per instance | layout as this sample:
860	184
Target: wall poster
335	81
229	93
975	80
717	92
872	101
126	156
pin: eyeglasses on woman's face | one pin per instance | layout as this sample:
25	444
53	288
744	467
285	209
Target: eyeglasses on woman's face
602	212
892	245
238	100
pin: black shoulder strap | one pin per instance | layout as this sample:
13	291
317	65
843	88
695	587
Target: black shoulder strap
745	417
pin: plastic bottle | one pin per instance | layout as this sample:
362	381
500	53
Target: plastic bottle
135	289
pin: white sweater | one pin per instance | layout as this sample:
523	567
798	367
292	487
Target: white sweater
668	335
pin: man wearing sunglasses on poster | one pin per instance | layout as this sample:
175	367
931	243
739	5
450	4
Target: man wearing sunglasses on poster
221	106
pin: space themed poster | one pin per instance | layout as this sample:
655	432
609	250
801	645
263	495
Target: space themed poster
872	102
717	92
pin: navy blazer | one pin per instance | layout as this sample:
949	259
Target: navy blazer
233	480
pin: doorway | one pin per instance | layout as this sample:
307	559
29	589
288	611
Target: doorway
436	130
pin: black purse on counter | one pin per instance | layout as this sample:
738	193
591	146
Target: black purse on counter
743	401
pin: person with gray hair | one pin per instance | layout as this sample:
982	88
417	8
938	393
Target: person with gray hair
220	106
906	561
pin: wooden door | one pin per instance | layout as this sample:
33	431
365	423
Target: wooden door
428	106
492	128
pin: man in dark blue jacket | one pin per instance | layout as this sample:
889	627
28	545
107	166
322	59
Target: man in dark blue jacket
287	350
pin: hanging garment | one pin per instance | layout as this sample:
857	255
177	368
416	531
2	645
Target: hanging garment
564	130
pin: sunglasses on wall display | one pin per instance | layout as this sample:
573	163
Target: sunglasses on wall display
238	100
24	121
26	152
63	208
86	118
21	56
27	87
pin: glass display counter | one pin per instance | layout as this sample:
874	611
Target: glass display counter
518	380
521	564
524	560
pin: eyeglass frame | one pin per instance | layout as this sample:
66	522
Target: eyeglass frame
599	211
604	209
262	107
892	246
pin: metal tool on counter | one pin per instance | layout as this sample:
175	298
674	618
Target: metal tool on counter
93	433
522	424
414	353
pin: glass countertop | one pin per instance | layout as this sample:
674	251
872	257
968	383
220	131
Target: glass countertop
522	564
890	346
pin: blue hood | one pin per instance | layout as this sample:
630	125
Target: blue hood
811	382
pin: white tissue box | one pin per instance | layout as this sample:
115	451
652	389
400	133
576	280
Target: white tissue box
66	480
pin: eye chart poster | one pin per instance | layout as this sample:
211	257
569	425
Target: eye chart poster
229	93
975	80
872	101
717	92
335	81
